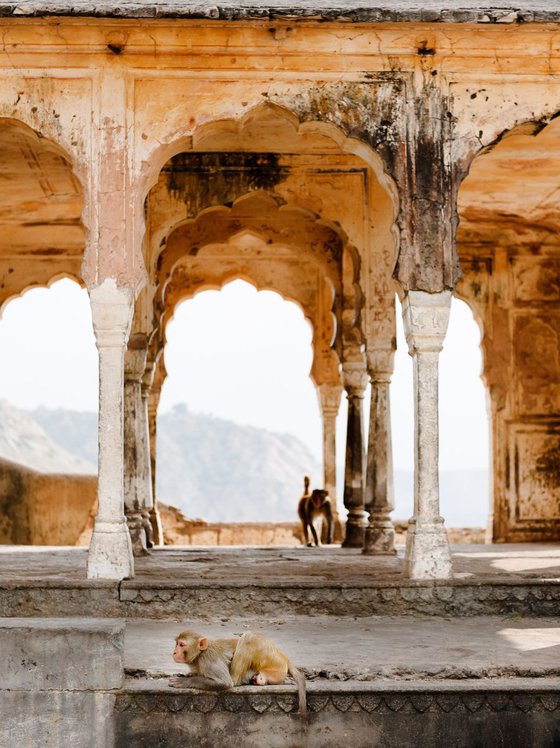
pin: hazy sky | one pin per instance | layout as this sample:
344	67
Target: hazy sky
241	355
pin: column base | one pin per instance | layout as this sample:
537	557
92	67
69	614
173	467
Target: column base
428	555
148	531
138	535
157	527
110	552
354	534
380	540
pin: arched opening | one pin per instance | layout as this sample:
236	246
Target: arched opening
510	255
238	420
48	486
48	403
296	208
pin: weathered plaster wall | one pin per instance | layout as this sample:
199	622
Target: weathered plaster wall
43	509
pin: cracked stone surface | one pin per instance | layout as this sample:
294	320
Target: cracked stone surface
403	10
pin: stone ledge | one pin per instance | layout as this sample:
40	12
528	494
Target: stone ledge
54	654
169	599
515	695
431	11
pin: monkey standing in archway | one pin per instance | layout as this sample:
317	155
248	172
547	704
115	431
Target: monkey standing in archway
312	506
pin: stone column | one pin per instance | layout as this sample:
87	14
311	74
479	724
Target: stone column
355	381
153	516
379	499
110	552
153	394
137	468
329	400
426	317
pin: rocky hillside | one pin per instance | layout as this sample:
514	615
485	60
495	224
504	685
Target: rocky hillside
25	441
208	467
217	470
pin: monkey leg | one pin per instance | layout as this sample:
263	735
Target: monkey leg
276	675
313	530
242	663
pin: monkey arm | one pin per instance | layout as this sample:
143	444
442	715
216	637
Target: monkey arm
198	681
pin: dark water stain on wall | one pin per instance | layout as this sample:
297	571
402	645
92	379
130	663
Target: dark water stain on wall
201	180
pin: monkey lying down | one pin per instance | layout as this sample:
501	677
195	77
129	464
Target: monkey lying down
219	664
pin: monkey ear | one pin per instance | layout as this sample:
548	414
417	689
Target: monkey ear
203	643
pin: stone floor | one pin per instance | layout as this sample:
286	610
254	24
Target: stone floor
368	649
272	565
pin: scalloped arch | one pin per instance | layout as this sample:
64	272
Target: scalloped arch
228	278
205	230
211	129
47	284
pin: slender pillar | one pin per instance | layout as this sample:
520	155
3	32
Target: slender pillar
379	499
355	381
426	317
137	478
329	399
153	396
152	517
110	552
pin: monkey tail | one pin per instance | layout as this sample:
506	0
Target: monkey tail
305	484
299	678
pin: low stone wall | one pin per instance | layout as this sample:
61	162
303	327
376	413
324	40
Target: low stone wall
59	678
56	509
44	508
179	530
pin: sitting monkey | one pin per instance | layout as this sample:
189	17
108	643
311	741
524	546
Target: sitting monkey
312	506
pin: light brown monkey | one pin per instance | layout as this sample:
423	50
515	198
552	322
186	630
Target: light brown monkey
220	664
311	506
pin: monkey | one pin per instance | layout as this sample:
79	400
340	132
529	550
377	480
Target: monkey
209	662
311	506
220	664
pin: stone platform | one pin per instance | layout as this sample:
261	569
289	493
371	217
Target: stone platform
381	682
489	580
472	661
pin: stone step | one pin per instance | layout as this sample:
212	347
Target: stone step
369	649
382	681
516	713
169	599
488	580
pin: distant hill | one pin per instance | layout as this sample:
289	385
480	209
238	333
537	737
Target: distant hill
217	470
208	467
24	440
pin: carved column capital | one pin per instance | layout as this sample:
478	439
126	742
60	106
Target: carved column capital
111	313
355	379
426	317
380	364
135	358
329	399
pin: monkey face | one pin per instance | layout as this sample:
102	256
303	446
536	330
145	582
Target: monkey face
181	651
318	496
188	646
